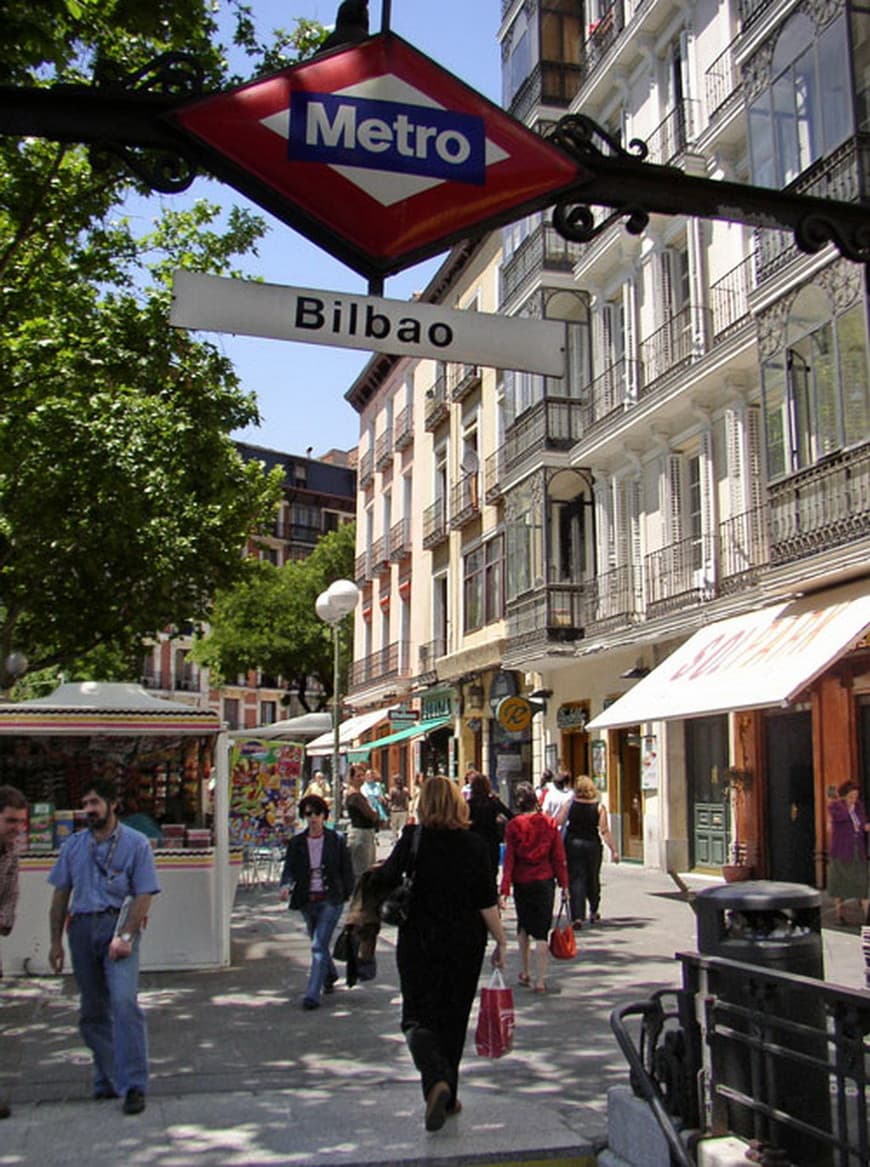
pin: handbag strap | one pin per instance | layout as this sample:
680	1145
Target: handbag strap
415	845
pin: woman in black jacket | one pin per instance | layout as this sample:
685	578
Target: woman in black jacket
440	948
317	879
488	818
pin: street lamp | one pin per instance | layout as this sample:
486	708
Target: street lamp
338	601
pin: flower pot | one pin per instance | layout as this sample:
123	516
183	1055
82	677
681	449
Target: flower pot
736	872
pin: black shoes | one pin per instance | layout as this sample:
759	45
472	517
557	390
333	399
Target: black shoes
134	1101
329	984
5	1109
310	1003
437	1106
104	1092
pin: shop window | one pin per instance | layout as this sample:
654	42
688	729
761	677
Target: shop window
806	110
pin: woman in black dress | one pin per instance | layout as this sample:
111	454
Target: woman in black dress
489	815
585	821
440	949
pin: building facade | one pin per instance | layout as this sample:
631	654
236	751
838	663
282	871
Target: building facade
705	456
318	495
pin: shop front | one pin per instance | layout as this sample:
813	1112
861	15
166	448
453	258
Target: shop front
169	764
772	710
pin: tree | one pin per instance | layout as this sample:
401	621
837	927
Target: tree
268	621
124	506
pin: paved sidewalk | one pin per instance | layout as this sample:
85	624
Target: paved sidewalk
242	1076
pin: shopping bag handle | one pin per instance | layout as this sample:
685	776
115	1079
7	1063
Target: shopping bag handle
496	981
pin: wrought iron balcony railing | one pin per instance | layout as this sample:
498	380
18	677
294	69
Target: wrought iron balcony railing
464	501
366	469
544	250
380	555
750	10
435	524
729	298
553	83
602	34
822	507
680	574
556	423
552	614
612	391
721	82
673	133
462	380
493	476
403	428
400	540
678	342
744	549
389	661
437	408
362	568
384	449
427	655
613	599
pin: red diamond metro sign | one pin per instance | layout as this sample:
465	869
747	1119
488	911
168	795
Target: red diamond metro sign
376	153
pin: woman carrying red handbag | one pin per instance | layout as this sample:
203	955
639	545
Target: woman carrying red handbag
534	862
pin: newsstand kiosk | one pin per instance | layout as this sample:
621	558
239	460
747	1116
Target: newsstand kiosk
169	762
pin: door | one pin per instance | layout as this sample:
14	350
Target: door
575	752
706	761
790	797
630	797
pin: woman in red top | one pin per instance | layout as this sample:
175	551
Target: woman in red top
534	862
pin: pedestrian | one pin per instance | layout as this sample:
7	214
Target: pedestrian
488	817
319	786
534	862
373	790
847	870
544	784
557	794
440	949
363	824
13	819
109	869
397	798
317	879
586	825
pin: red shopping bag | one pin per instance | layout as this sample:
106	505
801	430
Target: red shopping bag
563	942
495	1022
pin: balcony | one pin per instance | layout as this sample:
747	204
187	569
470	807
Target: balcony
729	299
553	83
464	501
427	655
388	662
403	429
380	559
362	568
434	524
384	450
366	469
744	550
612	392
602	34
546	619
679	575
721	83
750	10
543	251
400	540
437	408
493	474
673	133
678	342
553	424
462	380
613	600
822	507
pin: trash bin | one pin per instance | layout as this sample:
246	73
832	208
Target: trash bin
776	926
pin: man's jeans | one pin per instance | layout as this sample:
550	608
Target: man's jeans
321	916
110	1018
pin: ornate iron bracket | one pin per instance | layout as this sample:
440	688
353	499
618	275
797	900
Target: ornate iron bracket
625	180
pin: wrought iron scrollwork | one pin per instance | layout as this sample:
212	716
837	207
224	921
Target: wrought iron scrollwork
578	135
575	221
816	231
171	74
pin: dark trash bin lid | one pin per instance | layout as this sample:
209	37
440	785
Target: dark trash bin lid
758	895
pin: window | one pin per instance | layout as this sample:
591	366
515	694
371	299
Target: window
268	712
483	584
806	110
231	712
524	540
817	389
472	590
493	583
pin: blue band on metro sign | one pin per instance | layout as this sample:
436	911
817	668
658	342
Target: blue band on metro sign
387	135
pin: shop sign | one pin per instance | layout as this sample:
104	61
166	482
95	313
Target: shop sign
572	717
514	714
504	684
437	705
649	764
402	718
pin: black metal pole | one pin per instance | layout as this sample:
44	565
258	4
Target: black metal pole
386	5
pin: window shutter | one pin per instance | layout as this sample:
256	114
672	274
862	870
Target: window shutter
672	510
735	461
755	494
708	505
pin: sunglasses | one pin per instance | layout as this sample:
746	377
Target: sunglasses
312	814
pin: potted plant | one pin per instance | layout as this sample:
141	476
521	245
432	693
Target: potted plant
736	784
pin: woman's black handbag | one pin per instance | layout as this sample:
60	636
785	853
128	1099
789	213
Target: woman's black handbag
395	907
343	945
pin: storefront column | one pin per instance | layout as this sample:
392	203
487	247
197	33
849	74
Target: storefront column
835	754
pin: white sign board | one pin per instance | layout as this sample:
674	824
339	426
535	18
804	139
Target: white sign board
342	320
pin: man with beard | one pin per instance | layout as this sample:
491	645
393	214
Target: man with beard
107	868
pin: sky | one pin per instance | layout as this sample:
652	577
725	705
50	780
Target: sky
300	388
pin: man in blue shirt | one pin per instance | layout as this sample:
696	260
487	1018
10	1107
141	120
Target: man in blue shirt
107	868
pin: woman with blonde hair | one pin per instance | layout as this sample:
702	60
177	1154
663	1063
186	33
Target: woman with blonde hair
585	822
440	948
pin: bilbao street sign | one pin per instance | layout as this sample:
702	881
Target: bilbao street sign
376	153
344	320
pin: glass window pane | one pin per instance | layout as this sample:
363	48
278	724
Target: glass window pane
806	112
761	143
775	430
785	129
825	379
861	64
834	78
852	344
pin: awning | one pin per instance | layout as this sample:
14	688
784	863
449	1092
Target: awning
348	732
291	729
419	729
102	707
762	658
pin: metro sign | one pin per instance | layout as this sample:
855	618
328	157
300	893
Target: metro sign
377	154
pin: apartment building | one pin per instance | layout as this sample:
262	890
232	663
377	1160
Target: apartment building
318	495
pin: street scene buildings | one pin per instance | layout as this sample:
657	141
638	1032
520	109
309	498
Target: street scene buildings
704	457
